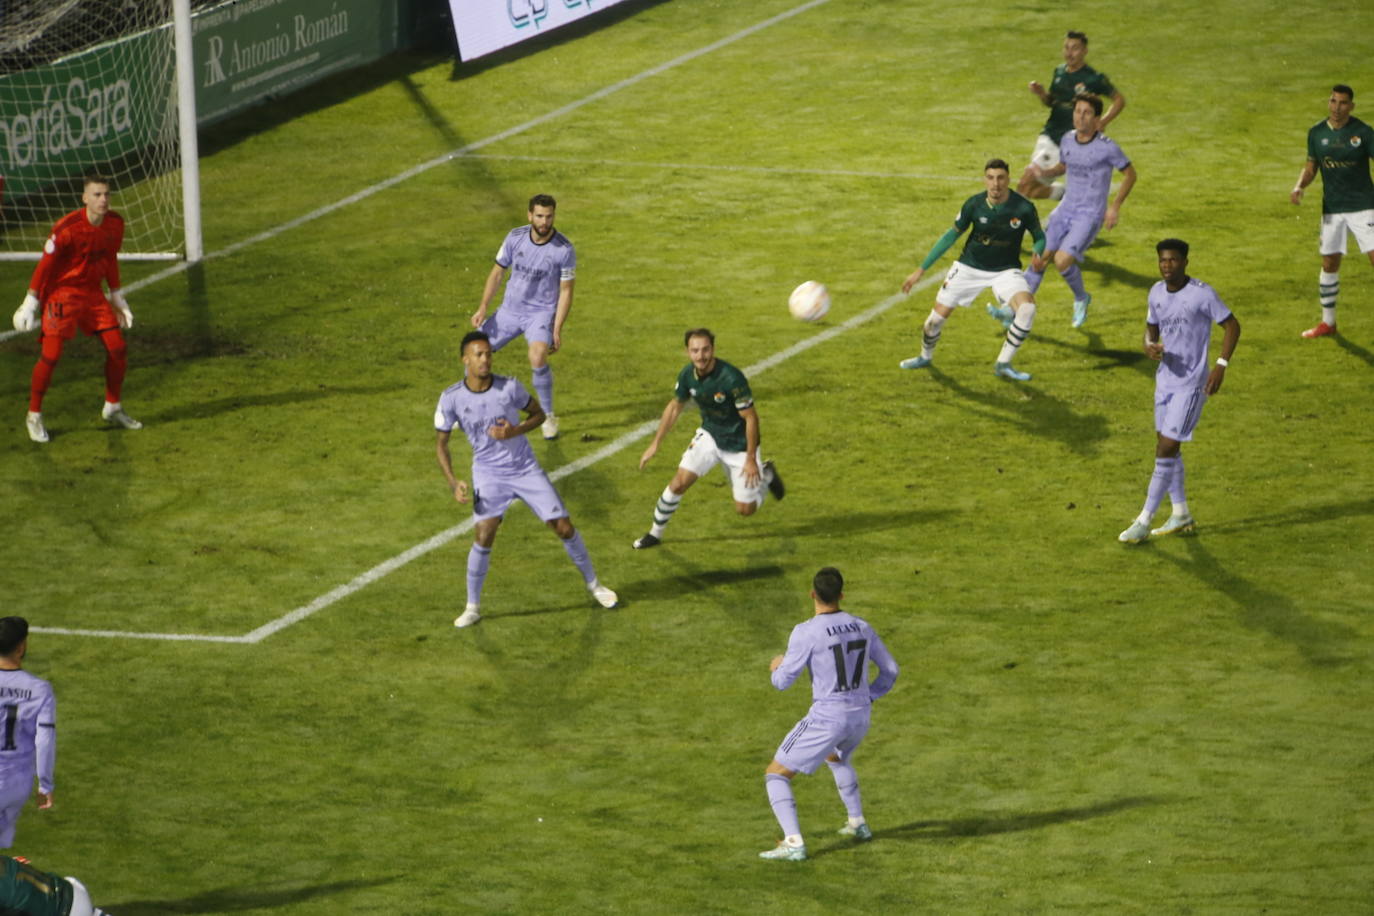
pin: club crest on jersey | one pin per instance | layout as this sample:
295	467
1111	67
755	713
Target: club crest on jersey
982	219
719	397
1016	222
1355	141
1080	88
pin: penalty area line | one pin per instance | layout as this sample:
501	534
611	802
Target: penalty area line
618	445
385	568
463	151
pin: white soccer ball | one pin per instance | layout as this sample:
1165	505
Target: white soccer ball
809	302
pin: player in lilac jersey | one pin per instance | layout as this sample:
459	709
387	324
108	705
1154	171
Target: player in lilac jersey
1178	330
30	746
541	262
1088	156
836	647
487	408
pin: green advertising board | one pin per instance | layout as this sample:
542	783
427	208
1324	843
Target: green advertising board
247	50
111	101
93	107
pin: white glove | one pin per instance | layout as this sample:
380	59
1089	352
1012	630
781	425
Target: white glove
26	316
126	317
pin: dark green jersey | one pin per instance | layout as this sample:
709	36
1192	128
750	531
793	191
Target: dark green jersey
1343	157
1064	88
26	891
721	395
995	242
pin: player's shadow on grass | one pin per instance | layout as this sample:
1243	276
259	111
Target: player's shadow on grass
1037	414
1258	608
842	523
700	580
1115	273
1314	515
1355	349
993	824
1110	358
239	899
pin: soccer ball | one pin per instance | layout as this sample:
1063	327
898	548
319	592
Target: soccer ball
809	302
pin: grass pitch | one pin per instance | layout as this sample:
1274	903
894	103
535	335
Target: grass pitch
1079	726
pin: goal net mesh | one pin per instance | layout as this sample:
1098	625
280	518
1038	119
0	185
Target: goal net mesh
89	85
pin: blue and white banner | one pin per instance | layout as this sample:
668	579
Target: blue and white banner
484	26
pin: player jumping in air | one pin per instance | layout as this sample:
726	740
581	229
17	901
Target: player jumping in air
1071	79
1088	156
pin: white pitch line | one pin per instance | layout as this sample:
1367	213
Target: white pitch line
606	451
708	167
358	583
444	537
437	161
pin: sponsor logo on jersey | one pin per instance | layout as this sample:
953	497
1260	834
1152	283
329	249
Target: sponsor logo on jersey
982	219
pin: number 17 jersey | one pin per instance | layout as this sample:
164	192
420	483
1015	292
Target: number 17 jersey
837	648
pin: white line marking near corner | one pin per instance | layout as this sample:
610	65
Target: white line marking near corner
444	537
606	451
465	150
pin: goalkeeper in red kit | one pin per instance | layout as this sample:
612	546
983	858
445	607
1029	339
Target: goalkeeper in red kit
79	254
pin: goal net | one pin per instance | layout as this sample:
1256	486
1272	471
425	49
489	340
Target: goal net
91	85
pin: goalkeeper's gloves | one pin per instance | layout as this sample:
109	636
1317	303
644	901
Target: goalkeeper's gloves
126	317
26	316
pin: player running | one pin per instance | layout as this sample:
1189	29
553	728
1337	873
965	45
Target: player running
1071	79
728	435
1088	156
1000	219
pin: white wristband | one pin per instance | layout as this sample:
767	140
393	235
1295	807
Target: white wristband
1222	363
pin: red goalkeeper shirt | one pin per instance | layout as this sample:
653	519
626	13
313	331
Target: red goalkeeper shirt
77	256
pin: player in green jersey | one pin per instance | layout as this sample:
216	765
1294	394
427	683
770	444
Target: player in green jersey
1071	79
26	891
1340	147
1000	219
729	435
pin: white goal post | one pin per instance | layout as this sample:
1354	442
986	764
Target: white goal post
105	86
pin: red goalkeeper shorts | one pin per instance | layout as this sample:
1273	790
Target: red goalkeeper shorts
66	311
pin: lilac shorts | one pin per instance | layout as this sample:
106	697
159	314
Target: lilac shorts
817	737
1071	232
1177	413
492	496
506	324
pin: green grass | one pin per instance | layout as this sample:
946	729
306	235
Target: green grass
1079	726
